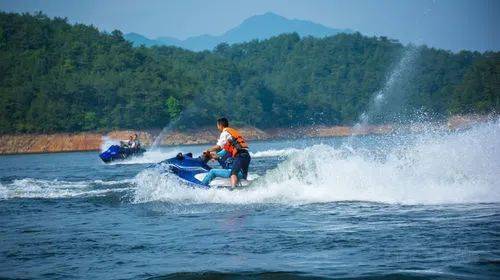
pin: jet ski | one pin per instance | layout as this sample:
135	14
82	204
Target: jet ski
191	171
116	152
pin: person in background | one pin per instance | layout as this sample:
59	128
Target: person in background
133	143
136	144
128	143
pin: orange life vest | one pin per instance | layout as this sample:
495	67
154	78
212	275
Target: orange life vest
236	143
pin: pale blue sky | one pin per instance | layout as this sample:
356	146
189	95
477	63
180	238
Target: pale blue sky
448	24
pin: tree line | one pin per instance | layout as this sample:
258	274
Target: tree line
56	76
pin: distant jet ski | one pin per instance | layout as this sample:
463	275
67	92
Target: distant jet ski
192	171
116	152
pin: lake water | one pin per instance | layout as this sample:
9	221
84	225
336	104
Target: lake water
415	206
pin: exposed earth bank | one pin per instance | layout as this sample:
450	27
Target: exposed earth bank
92	141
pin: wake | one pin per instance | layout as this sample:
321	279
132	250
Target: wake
54	189
433	168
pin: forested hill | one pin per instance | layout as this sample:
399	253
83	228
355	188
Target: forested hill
60	77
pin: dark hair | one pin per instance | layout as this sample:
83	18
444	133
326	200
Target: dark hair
223	122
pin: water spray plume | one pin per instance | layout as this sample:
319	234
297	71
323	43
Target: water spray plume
173	124
391	91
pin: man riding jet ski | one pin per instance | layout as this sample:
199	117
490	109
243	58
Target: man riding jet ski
193	171
235	145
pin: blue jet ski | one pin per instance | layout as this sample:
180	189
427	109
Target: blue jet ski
191	171
186	168
116	152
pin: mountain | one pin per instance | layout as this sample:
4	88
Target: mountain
138	39
256	27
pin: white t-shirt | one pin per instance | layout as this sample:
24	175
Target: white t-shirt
134	144
223	138
131	144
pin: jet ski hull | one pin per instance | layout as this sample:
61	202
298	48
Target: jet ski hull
186	168
191	171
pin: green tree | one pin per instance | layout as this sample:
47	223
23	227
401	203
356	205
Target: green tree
55	76
173	107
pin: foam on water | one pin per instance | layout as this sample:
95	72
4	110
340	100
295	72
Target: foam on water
275	153
459	167
39	188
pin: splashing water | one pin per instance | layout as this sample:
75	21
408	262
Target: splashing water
106	142
275	153
460	167
164	132
173	124
391	88
40	188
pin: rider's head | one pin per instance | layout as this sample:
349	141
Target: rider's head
135	136
222	123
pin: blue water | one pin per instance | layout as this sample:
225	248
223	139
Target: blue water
421	206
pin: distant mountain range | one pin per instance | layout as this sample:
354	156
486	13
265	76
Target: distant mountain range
256	27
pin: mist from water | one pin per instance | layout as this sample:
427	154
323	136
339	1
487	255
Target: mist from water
164	132
191	108
392	93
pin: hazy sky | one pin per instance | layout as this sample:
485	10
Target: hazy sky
448	24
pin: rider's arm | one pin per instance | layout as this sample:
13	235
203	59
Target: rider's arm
223	138
214	148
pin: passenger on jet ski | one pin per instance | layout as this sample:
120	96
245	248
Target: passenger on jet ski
136	144
133	143
204	157
128	143
226	162
123	151
233	143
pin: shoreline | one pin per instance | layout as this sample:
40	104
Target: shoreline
92	141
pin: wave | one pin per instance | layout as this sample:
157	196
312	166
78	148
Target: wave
39	188
433	168
299	275
275	153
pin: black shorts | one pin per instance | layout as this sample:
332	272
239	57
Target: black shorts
241	163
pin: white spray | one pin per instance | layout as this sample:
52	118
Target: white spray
392	88
461	167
